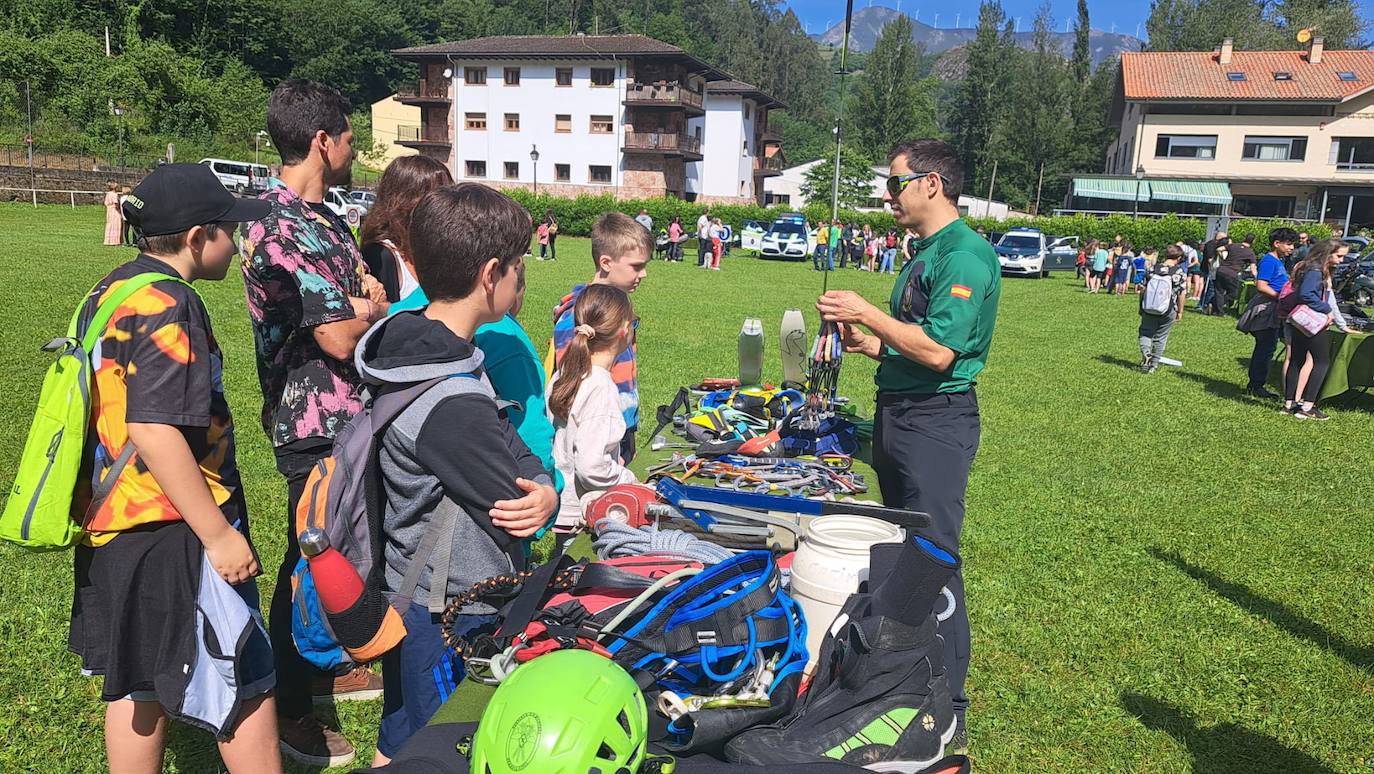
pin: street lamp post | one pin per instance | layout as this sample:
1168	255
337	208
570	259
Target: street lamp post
119	113
258	139
534	159
1139	178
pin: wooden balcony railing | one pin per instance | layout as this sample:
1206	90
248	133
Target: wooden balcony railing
662	94
423	90
664	142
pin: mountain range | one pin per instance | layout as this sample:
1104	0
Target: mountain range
869	22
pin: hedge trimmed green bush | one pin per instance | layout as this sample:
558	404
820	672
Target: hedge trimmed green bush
576	216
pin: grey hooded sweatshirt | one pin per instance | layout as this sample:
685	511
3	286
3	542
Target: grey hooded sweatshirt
450	452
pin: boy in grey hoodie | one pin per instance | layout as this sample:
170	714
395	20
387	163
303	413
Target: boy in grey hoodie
451	460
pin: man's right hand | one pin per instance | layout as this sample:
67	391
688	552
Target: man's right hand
232	557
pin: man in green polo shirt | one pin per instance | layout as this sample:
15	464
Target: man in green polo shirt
930	346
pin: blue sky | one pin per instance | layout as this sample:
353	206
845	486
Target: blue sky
1125	15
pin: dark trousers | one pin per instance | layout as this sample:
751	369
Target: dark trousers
1266	342
553	247
1227	289
923	446
293	672
1300	345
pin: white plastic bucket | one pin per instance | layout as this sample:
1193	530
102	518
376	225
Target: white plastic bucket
830	563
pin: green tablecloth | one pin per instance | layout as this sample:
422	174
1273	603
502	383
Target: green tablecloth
1247	291
1352	363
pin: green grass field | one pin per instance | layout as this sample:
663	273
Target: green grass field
1163	575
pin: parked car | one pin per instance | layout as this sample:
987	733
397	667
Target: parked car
240	177
788	238
1024	251
339	202
751	235
364	199
1061	255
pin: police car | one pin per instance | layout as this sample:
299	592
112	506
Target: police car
788	238
1028	252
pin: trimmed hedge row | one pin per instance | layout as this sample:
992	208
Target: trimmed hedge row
576	216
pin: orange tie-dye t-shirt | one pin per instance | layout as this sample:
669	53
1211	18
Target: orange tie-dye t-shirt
157	363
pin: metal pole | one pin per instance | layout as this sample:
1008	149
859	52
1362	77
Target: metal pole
121	143
1322	218
1038	185
1349	208
987	205
28	145
1135	214
839	137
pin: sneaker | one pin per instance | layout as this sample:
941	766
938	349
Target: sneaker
1312	413
958	744
311	743
1289	410
1262	393
357	684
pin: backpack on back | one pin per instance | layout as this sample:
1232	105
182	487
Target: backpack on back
40	513
341	510
1159	293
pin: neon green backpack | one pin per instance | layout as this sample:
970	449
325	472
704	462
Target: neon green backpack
38	514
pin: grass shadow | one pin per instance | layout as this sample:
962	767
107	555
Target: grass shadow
1113	360
1221	388
1359	656
1224	748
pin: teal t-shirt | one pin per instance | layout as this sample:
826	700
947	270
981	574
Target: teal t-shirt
517	375
954	299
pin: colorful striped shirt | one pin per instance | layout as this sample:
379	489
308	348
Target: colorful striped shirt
624	371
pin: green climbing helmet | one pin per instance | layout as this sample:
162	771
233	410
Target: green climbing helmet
567	712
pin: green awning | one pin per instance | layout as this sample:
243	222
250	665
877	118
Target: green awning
1123	188
1196	191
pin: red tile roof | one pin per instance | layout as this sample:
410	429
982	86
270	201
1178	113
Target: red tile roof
1188	75
746	90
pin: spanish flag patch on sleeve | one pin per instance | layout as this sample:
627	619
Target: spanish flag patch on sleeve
961	291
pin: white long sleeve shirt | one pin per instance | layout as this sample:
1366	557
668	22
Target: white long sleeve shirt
586	447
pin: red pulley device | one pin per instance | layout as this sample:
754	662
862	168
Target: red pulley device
625	503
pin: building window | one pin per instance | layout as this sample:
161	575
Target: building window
1263	206
562	172
477	168
512	170
1275	148
1235	75
747	111
562	76
602	124
475	122
512	122
562	123
1347	75
1186	146
475	76
603	76
512	76
599	174
1283	76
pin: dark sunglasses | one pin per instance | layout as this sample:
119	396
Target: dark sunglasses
898	183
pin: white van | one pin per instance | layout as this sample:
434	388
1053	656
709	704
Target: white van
239	176
338	200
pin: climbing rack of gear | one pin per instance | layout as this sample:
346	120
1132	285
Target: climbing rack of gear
823	376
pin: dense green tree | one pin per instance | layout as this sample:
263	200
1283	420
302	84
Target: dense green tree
977	101
856	179
1031	141
1200	25
891	103
1080	66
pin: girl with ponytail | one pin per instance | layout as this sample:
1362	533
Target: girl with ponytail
584	404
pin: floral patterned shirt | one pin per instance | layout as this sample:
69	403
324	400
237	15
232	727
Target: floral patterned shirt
300	266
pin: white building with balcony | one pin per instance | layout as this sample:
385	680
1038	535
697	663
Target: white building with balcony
620	114
1253	133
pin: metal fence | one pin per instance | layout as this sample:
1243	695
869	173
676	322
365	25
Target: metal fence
75	159
51	195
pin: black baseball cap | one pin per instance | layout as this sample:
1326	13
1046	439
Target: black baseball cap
175	197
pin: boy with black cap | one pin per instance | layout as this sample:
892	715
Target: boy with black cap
166	564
